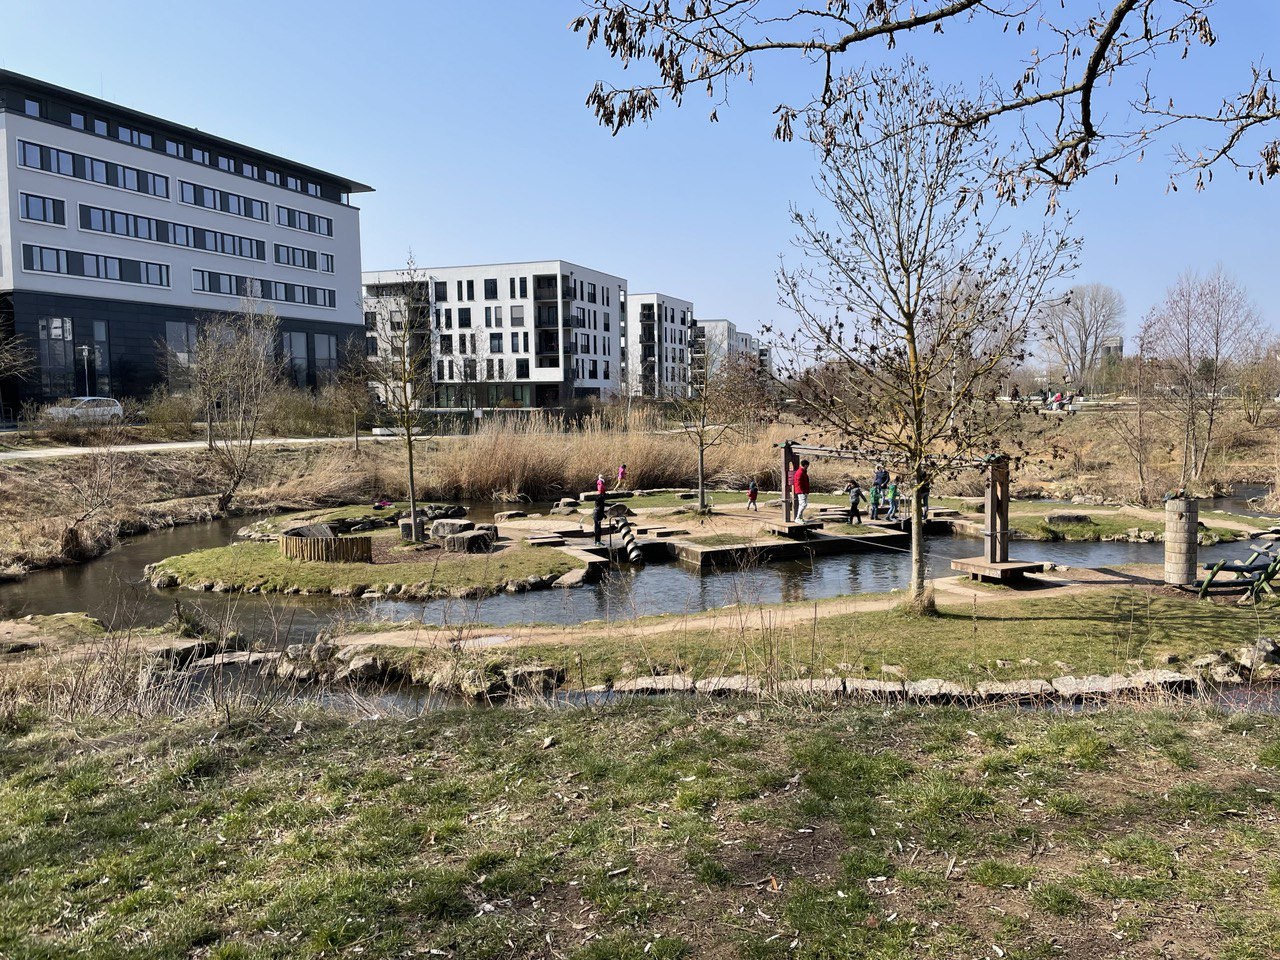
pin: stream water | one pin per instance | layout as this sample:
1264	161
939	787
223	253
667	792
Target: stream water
112	587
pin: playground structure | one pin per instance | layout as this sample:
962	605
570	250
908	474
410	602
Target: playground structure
993	566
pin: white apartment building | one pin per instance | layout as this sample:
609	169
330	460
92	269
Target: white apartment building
121	232
714	340
543	333
657	330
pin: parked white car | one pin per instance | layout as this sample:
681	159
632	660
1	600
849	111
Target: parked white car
86	410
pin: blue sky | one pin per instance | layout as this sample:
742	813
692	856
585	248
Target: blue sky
469	120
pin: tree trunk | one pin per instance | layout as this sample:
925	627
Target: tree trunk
915	589
413	494
702	486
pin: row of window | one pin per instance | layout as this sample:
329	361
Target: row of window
466	370
466	290
213	199
119	223
175	148
232	285
73	263
492	317
590	370
306	259
68	164
519	342
301	220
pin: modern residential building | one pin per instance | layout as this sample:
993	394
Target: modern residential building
656	334
714	340
121	232
543	333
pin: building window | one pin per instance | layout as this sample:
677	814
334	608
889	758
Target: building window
273	177
326	263
180	340
136	137
77	120
293	351
32	107
301	220
517	315
326	356
495	343
491	289
102	220
43	209
99	126
249	170
440	291
591	293
200	156
459	289
446	344
515	342
67	164
488	369
464	318
175	149
524	288
226	163
522	368
76	264
471	289
211	199
56	348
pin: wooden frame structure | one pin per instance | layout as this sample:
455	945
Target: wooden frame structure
994	564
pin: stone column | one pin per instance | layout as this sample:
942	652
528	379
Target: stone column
1181	536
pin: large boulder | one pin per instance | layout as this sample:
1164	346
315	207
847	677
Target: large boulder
1062	517
506	515
310	530
449	528
470	541
534	678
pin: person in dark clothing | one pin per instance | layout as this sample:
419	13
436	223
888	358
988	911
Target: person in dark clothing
599	516
854	490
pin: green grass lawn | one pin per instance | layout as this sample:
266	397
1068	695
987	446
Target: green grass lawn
247	565
1102	632
668	830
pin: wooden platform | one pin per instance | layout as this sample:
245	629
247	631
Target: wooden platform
978	568
793	529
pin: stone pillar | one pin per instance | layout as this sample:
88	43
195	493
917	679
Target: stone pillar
1181	536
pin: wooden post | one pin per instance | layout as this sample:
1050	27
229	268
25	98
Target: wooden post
355	428
786	487
996	534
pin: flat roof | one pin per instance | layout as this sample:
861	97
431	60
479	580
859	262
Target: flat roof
109	106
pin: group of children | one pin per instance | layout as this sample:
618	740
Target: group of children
884	493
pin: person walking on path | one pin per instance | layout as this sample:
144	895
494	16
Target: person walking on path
598	516
801	487
622	477
892	498
855	499
752	493
874	501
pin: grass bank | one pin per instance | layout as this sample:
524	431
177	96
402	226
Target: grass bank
260	568
1102	631
667	830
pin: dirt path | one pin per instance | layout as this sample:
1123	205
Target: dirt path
949	590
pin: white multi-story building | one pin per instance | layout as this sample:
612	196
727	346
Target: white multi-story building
714	340
121	232
542	333
656	334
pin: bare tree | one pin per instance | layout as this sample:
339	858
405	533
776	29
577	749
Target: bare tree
1200	328
236	371
1077	78
1075	330
1259	379
401	370
1132	427
713	411
915	301
16	358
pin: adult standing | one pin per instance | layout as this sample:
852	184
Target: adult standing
801	487
880	478
598	516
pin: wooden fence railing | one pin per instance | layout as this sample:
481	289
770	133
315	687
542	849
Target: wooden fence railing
328	549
